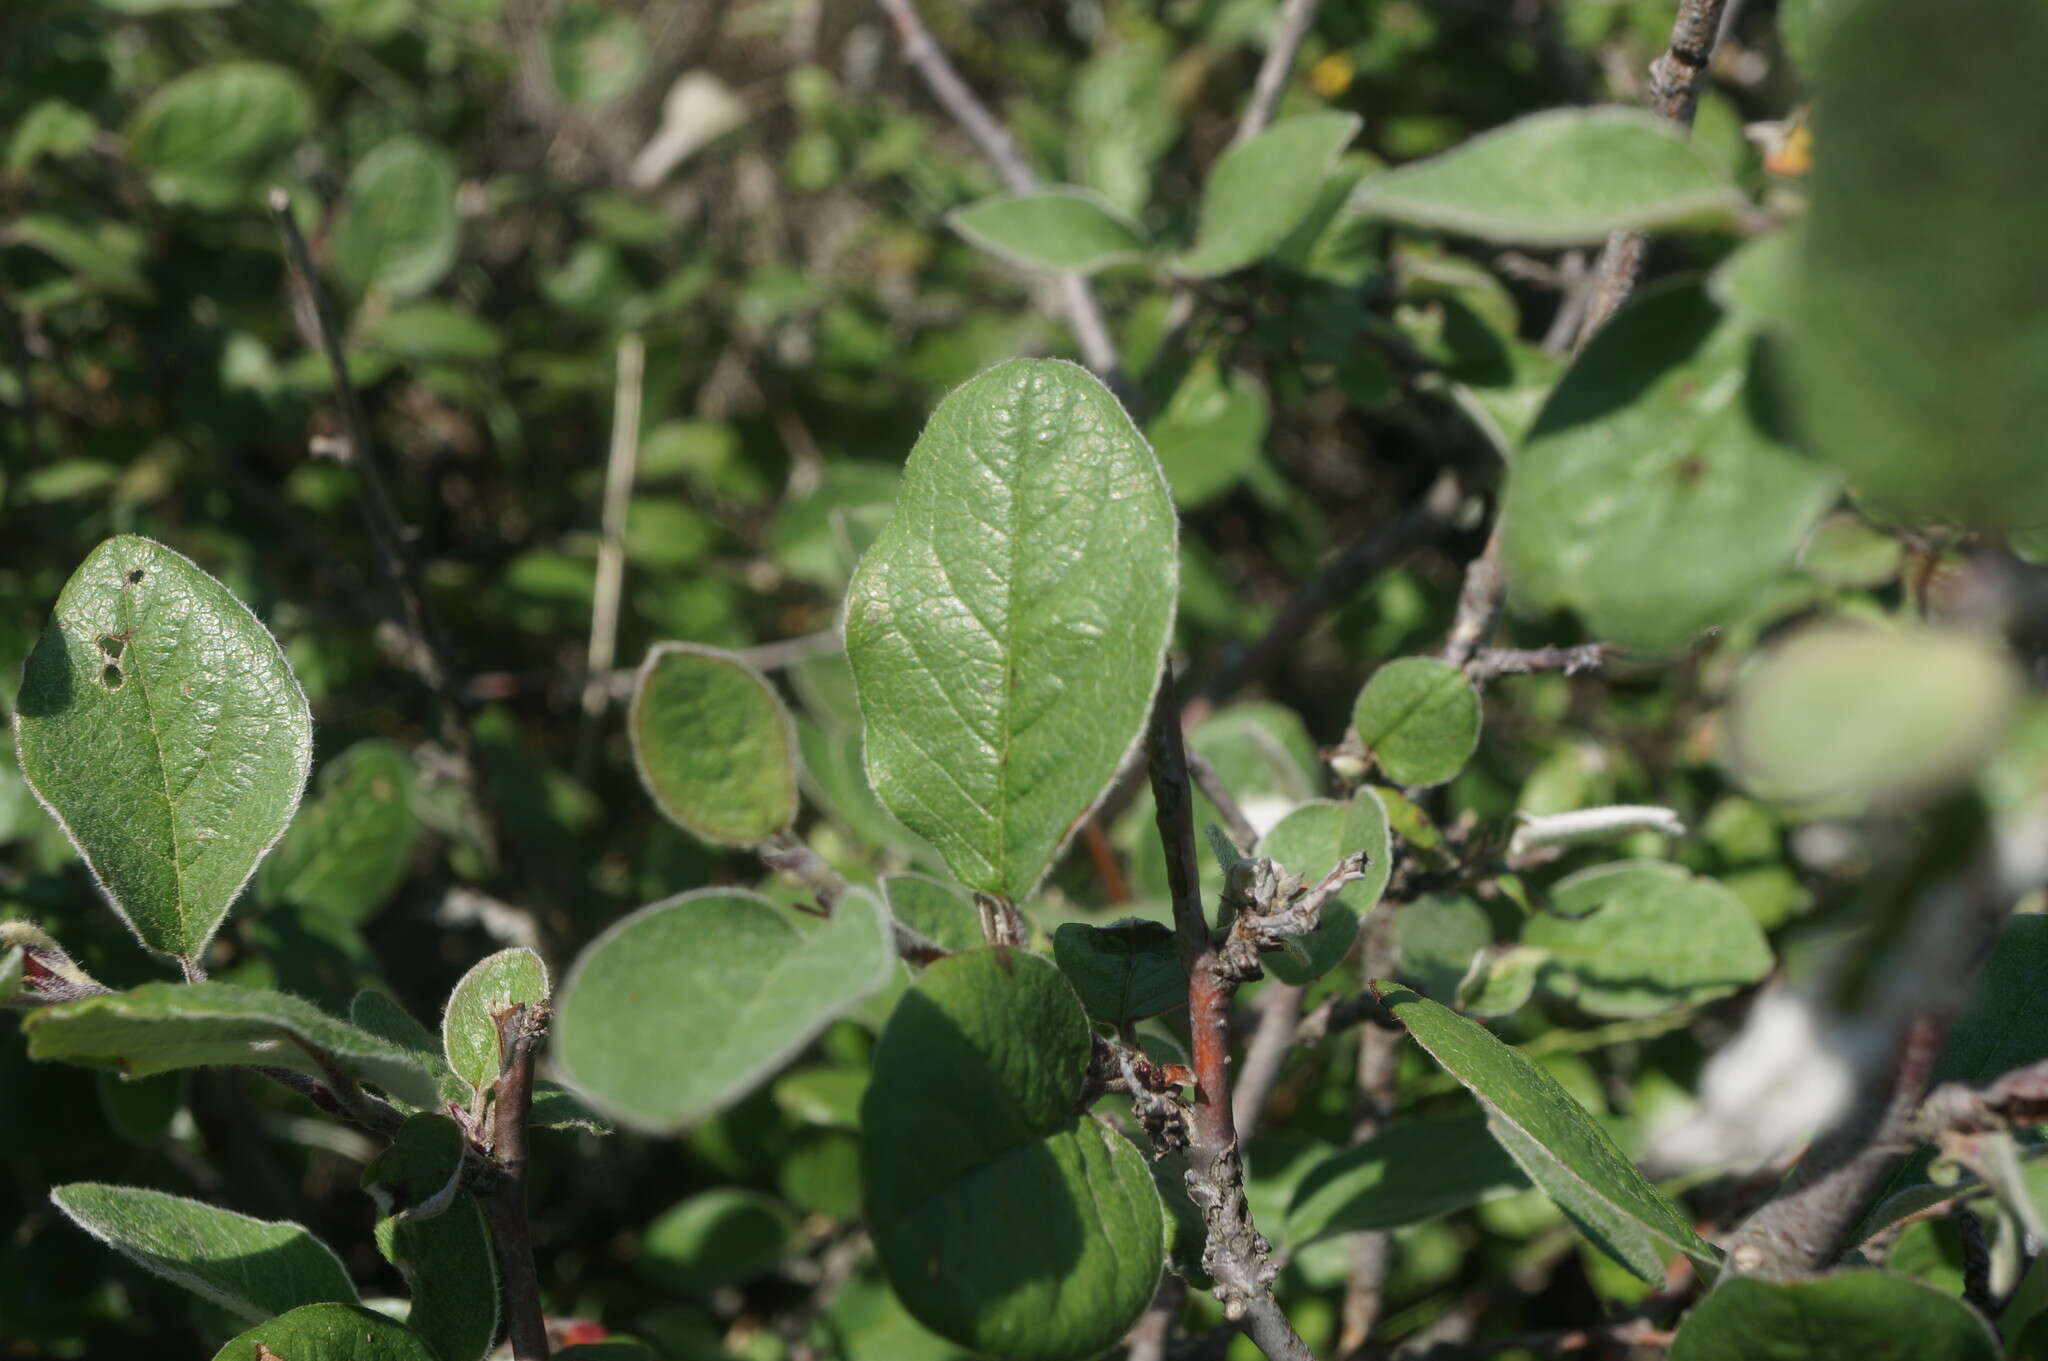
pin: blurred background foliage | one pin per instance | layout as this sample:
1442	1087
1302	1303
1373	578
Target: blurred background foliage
500	191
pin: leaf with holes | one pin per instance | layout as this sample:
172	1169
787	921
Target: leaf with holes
1057	228
1007	1218
328	1332
161	1026
1007	627
1555	1140
1567	177
688	1005
347	849
1259	191
1419	717
713	744
469	1027
252	1267
160	723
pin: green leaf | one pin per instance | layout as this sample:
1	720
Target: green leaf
13	964
1648	497
1923	383
252	1267
381	1016
822	1096
557	1108
1409	1173
594	54
1501	980
687	1005
469	1027
435	1234
1642	937
398	228
160	723
939	912
1058	228
210	135
1846	550
107	255
1555	1140
141	1110
431	331
1842	715
1419	717
328	1332
1309	841
347	850
1007	1219
713	744
1259	191
1566	177
1436	938
1007	627
1210	435
1842	1316
161	1026
1123	972
718	1237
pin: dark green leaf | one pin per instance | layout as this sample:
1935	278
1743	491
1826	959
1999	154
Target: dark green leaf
1411	1172
719	1237
1843	1316
210	135
1123	972
328	1332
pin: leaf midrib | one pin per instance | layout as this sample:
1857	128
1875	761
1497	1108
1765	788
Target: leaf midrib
126	613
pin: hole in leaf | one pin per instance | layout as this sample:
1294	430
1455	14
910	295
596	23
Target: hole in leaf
135	576
112	646
111	677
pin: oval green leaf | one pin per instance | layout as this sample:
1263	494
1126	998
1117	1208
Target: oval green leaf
594	54
1058	228
1006	629
1123	972
161	1026
1006	1218
1309	841
718	1237
937	912
1648	496
1642	937
252	1267
328	1332
1259	191
1211	433
210	135
1923	384
714	744
1558	1144
687	1005
469	1026
1411	1172
398	228
1419	717
1841	716
1567	177
1842	1316
161	725
347	849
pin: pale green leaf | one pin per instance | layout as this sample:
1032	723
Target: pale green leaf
594	54
1842	715
1419	717
1310	841
1436	939
1648	496
251	1267
1641	937
161	1026
1923	383
1056	228
1410	1172
1565	177
1846	550
469	1026
1501	980
1006	1218
1843	1316
1007	627
347	849
210	135
328	1332
1211	433
687	1005
1122	972
1558	1144
713	744
160	723
1259	191
398	229
723	1236
939	912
